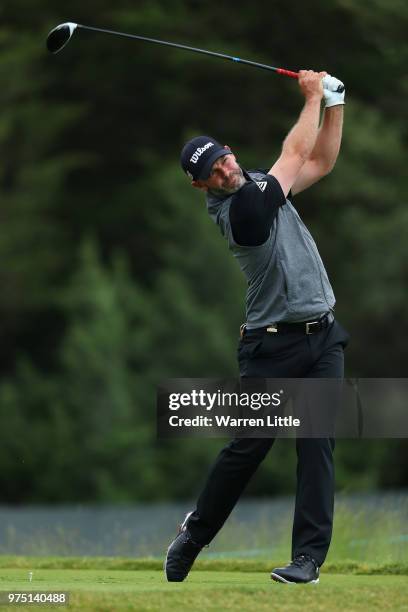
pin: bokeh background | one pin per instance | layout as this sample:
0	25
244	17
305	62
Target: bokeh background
112	275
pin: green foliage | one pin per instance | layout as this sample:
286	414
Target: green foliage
89	145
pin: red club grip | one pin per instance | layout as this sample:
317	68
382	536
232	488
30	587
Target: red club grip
294	75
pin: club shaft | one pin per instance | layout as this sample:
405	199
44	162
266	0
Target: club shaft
239	60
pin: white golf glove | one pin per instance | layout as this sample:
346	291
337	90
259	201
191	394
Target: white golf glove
332	97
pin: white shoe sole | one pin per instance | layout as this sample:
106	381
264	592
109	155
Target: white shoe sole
278	578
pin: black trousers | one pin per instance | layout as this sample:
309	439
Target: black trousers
269	355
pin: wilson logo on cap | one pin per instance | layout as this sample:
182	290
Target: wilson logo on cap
198	152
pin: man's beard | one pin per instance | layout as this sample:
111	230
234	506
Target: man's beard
230	191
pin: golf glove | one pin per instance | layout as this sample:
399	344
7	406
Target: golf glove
331	96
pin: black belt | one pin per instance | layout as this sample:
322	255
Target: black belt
303	327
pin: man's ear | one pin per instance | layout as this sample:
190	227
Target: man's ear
199	185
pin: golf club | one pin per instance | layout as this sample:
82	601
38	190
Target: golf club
60	36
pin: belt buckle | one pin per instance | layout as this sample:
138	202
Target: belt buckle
308	331
272	329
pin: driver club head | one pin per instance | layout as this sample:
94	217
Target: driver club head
59	36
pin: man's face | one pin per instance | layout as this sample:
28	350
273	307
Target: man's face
226	177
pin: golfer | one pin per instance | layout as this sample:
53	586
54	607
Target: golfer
290	330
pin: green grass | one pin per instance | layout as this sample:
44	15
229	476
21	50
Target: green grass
105	585
212	565
366	569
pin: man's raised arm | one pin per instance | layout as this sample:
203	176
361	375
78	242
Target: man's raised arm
301	140
324	154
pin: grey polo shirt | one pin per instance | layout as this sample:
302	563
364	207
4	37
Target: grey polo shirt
286	277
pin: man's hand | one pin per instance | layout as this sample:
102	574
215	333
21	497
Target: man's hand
311	84
331	96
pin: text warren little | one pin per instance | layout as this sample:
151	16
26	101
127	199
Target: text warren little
228	421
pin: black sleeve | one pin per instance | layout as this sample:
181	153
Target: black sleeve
253	209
